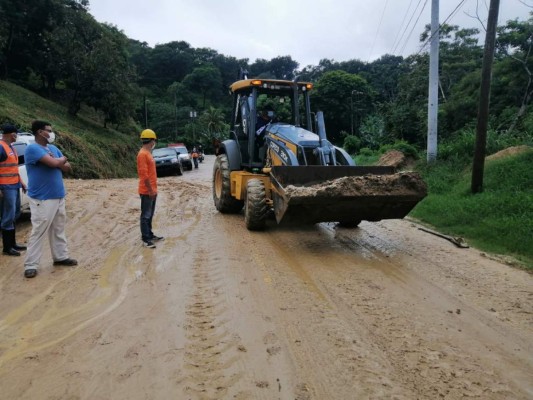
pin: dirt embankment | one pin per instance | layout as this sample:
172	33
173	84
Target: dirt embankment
384	311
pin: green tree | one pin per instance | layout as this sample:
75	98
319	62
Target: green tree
515	43
335	93
113	89
281	67
24	30
167	63
204	80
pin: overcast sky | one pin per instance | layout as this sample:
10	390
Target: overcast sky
307	30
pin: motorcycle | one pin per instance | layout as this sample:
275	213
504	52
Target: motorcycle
200	156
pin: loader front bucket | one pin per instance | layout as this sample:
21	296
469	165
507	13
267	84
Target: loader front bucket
311	194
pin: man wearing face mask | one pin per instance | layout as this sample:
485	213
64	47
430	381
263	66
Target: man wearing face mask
147	186
10	185
45	165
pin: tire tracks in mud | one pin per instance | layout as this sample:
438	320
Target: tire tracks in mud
315	333
210	346
381	319
442	344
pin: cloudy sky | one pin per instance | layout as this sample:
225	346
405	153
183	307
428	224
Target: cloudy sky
307	30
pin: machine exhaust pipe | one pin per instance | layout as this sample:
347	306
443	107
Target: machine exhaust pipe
326	150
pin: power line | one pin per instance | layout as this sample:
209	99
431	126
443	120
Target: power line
406	27
414	26
452	14
379	26
403	20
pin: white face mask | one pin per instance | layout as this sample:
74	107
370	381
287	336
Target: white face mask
51	137
153	145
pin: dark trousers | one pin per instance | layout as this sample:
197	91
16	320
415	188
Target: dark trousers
9	208
147	214
195	161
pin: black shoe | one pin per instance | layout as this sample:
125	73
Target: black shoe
11	252
69	262
19	247
30	273
149	243
157	238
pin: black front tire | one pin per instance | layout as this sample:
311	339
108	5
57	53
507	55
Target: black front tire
255	212
224	201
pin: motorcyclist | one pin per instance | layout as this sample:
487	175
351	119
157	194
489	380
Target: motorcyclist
194	156
200	153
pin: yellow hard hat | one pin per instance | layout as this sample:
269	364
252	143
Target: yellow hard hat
148	134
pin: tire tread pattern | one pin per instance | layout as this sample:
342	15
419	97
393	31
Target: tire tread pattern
256	208
226	203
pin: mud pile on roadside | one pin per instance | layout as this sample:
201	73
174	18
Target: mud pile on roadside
509	152
393	158
400	184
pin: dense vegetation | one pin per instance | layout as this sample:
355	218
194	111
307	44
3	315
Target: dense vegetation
57	49
94	152
99	89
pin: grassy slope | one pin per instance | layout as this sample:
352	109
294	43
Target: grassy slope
498	220
94	151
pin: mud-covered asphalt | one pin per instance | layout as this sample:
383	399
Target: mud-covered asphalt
384	311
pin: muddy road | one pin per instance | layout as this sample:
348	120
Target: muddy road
385	311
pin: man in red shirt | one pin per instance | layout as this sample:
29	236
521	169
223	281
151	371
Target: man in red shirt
147	186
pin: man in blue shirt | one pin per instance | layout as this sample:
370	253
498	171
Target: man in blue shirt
45	165
10	185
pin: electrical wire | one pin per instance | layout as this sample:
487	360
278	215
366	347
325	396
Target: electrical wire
377	32
397	37
437	32
414	26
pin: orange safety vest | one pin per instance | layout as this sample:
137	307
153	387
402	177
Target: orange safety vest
9	168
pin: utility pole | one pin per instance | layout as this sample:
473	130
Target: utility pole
351	109
484	99
193	114
145	113
433	98
175	115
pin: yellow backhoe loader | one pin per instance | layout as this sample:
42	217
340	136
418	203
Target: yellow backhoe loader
283	167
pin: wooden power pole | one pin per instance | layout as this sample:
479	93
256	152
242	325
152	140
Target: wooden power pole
484	99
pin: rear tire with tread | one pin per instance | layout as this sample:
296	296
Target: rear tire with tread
224	201
255	212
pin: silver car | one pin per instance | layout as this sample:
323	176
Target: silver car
184	157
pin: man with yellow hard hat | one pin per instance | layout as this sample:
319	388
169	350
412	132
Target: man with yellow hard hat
147	186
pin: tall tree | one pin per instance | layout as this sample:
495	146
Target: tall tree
515	42
204	80
333	94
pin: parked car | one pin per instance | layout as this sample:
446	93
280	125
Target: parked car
20	148
167	161
25	137
184	155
